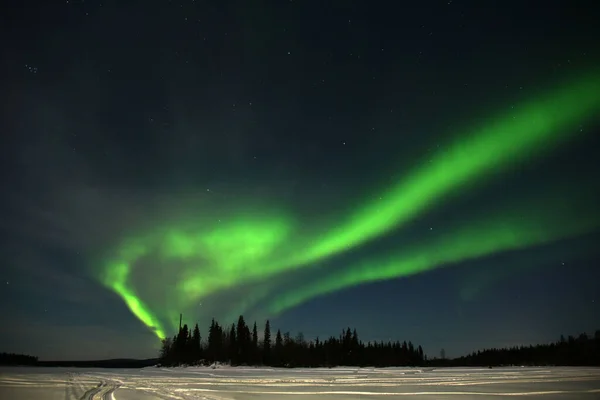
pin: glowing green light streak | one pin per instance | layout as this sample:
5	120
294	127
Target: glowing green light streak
231	252
116	279
530	128
243	249
526	130
510	231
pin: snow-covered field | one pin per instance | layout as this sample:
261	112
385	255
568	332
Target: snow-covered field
295	384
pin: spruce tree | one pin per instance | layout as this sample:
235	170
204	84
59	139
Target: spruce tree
278	348
165	351
267	344
220	354
254	352
212	342
181	345
242	340
196	347
233	346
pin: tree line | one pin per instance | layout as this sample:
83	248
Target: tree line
581	350
239	345
17	359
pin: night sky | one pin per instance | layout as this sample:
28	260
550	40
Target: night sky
422	170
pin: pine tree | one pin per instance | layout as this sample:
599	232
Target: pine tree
242	340
196	347
234	344
165	351
254	352
247	344
278	348
181	345
189	349
212	342
267	344
221	349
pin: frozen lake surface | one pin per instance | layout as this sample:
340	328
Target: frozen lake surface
20	383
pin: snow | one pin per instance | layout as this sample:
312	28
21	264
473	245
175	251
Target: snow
239	383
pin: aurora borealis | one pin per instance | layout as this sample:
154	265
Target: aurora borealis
212	168
233	252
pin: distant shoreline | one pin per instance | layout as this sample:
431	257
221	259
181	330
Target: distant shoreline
113	363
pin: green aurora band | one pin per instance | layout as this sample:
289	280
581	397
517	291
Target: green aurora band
256	246
116	277
506	231
529	128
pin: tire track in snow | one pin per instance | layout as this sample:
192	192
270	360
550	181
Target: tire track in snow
90	394
273	384
75	389
109	394
104	391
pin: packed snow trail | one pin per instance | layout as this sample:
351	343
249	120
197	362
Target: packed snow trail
298	384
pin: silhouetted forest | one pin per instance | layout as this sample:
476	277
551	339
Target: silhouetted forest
25	360
112	363
17	359
239	345
572	351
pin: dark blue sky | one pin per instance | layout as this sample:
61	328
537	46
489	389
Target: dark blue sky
118	113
